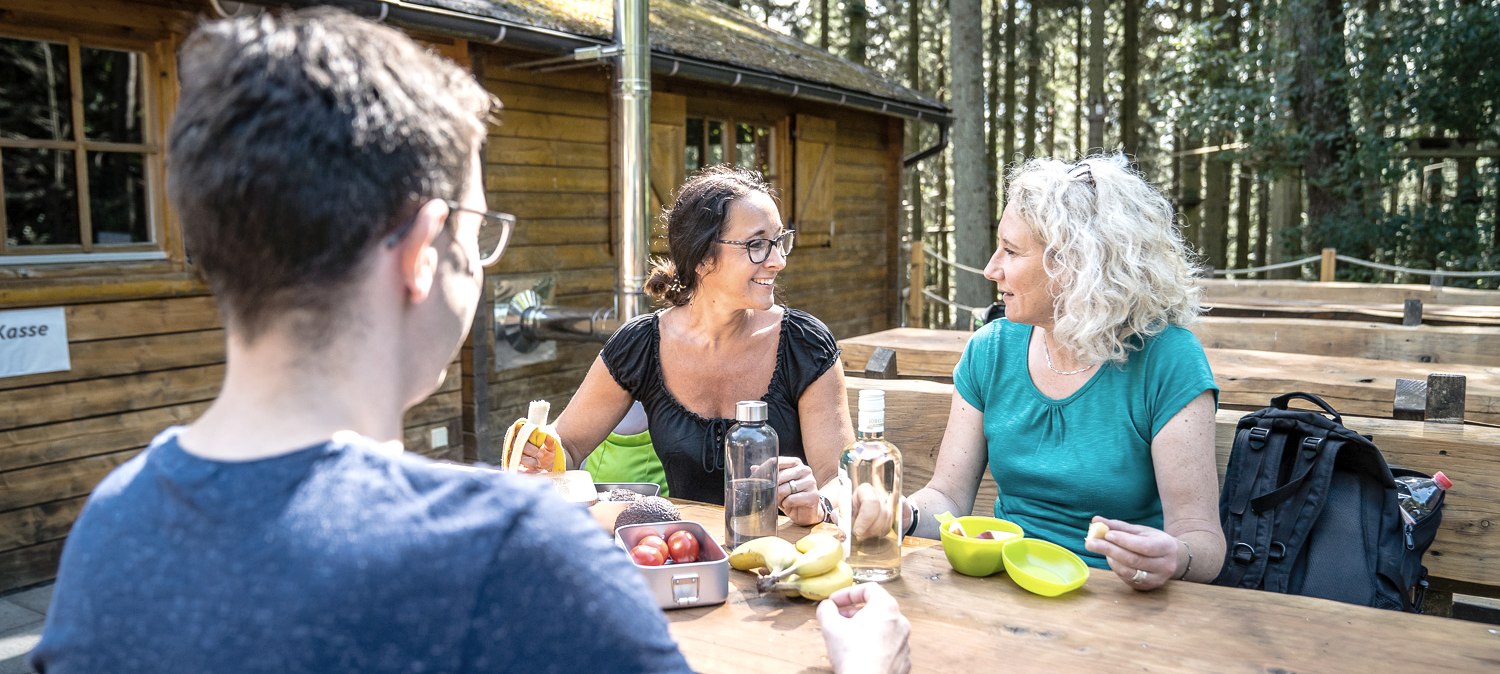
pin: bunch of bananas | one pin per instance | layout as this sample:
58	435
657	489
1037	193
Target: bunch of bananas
814	568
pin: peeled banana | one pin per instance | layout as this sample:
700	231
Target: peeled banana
532	429
767	552
819	587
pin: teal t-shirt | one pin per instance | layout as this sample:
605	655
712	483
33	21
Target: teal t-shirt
1058	463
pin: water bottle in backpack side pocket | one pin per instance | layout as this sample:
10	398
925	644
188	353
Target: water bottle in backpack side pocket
1419	496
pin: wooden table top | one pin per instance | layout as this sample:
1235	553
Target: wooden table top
963	624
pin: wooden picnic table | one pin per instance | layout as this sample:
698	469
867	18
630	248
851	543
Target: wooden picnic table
962	624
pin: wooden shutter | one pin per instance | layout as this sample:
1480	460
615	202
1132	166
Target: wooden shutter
668	138
812	180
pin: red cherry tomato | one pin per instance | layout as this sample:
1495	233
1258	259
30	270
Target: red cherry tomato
646	555
657	542
683	547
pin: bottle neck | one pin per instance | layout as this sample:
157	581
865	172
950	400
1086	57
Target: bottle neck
871	424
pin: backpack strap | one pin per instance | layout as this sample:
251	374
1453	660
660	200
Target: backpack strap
1257	447
1315	461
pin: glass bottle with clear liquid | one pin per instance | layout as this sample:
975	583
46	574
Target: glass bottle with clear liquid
750	451
870	470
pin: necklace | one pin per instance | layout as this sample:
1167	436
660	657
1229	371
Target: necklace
1047	351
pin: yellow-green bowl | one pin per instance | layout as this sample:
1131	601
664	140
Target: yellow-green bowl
977	556
1048	569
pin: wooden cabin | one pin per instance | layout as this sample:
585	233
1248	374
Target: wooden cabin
90	243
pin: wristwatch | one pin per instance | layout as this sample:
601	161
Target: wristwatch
915	517
828	513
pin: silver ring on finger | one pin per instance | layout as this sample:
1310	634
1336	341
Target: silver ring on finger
1140	576
792	485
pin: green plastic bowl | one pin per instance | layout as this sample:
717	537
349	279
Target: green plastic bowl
1047	569
976	556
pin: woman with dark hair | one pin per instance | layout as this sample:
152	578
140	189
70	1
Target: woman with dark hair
720	339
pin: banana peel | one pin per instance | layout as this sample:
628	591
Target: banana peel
534	430
816	588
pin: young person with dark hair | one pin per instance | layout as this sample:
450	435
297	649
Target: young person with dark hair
327	175
326	171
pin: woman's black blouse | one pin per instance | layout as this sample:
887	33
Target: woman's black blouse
691	448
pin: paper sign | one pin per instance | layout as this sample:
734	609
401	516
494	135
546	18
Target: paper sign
33	341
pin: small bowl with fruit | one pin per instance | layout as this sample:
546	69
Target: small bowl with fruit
1043	567
682	564
973	544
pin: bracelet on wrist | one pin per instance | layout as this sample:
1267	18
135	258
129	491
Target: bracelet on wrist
1189	566
915	515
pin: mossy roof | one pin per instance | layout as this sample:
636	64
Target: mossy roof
701	29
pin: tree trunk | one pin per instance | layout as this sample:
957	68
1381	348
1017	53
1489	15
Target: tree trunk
1214	236
1130	62
1190	196
992	99
971	184
1051	107
859	30
823	22
1242	219
1286	207
1320	102
1079	140
1033	73
1262	222
1008	155
943	314
1096	76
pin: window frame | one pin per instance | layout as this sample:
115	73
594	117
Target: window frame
780	144
150	149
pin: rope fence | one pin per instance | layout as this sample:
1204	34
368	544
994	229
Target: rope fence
1328	259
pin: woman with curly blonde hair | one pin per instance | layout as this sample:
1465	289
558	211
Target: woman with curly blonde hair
1090	402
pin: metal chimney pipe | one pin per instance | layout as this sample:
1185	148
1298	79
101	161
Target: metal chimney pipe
632	98
524	324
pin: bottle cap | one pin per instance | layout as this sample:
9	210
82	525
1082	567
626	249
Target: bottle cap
750	410
872	399
1442	480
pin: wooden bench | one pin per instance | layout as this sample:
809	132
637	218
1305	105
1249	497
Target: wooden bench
1377	302
1463	559
1465	345
1215	290
1247	379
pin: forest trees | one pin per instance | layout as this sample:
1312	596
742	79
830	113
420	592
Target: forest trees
1278	127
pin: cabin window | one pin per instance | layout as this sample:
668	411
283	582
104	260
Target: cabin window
77	152
727	141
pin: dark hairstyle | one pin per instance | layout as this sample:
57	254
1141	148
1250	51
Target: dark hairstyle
300	140
694	221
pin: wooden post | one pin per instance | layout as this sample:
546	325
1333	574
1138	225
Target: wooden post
1445	398
915	299
882	364
1329	265
1411	314
1411	400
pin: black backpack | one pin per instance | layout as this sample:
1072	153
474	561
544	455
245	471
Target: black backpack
1309	507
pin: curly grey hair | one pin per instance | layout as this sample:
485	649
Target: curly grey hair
1112	250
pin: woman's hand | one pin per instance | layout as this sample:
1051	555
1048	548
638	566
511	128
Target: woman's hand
864	631
1143	557
539	458
797	491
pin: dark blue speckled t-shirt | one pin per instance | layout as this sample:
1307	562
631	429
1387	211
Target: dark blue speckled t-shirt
342	558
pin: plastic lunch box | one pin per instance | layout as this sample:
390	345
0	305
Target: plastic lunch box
701	583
